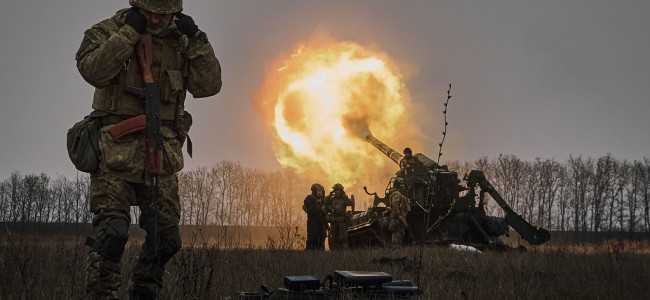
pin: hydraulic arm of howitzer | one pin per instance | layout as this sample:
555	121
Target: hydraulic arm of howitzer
535	236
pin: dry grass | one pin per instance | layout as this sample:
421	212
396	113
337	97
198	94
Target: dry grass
53	268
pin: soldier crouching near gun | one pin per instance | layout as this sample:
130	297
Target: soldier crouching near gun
316	222
176	58
399	209
335	206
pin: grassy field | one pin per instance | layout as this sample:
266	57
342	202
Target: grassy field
53	268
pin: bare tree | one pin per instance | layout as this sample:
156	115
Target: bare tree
15	185
81	198
617	204
42	198
508	174
225	174
5	197
61	190
602	189
580	174
564	193
549	184
632	190
197	189
644	176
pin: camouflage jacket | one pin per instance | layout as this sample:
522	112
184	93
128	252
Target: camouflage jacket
406	166
336	206
314	207
399	206
180	64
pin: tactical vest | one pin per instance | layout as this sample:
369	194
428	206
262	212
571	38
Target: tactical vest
338	205
170	71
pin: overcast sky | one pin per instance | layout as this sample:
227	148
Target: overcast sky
530	78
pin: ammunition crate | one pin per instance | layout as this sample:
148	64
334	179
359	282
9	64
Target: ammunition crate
301	283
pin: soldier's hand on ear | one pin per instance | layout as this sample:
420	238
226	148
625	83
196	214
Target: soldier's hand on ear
186	25
136	20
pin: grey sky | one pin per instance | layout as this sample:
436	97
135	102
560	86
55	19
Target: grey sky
530	78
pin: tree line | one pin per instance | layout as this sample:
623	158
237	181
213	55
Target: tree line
226	194
578	194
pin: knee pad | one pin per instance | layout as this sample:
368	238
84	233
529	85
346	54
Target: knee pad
168	245
112	235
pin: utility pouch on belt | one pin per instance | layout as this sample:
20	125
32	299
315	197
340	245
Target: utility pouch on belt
83	143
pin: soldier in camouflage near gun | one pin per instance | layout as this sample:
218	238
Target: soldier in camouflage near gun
314	206
399	203
399	208
335	207
181	60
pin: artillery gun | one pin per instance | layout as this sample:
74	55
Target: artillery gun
442	209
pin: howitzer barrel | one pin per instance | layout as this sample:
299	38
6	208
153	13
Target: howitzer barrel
388	151
396	156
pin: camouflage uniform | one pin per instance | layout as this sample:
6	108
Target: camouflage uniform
399	209
316	226
106	60
406	175
335	206
406	166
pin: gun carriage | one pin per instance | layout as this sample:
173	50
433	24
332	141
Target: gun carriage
442	207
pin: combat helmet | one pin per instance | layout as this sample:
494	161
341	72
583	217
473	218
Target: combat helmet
338	186
159	6
315	187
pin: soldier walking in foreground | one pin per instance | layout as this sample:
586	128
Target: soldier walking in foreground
316	223
179	59
399	209
335	206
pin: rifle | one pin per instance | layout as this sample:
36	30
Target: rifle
153	141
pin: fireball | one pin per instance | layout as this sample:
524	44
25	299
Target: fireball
324	98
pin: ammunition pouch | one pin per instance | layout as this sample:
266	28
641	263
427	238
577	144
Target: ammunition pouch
126	156
83	143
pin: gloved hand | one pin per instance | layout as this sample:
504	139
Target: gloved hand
136	20
186	25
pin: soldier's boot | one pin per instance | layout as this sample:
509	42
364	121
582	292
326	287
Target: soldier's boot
148	273
103	272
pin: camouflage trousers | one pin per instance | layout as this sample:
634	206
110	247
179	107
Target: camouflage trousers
399	230
110	202
338	239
